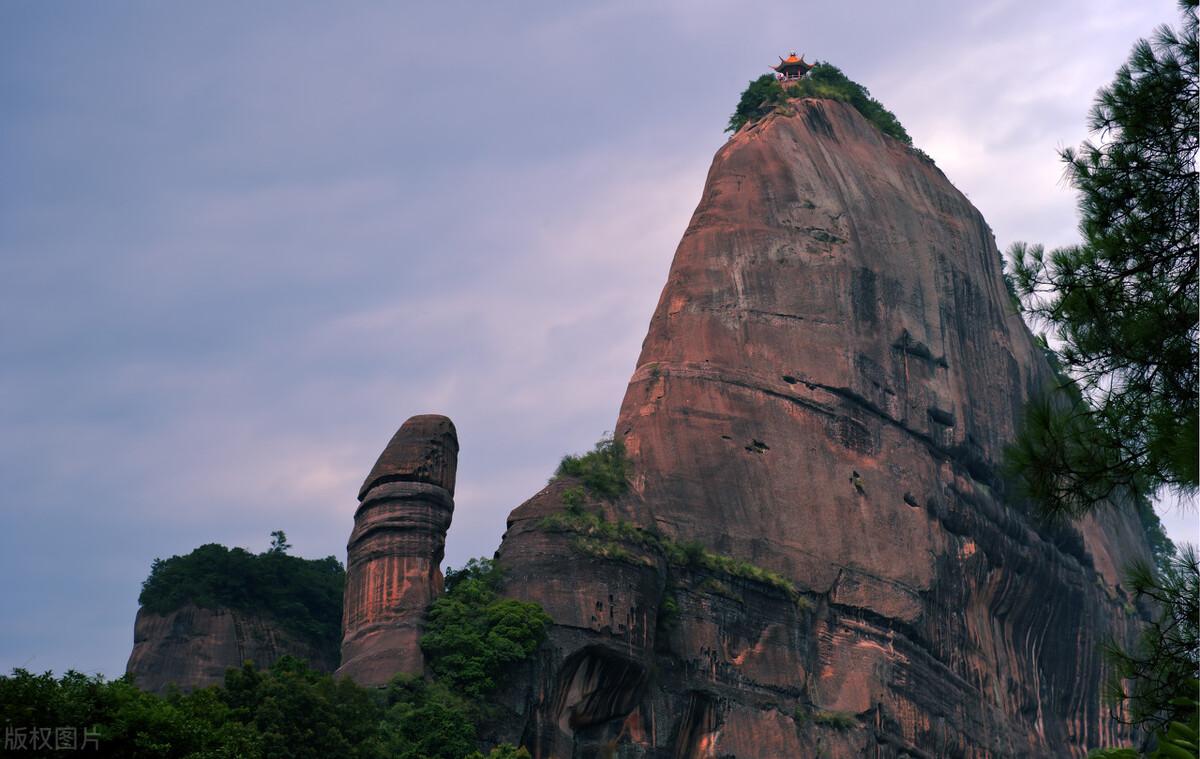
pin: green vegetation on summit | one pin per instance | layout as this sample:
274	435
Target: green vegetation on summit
825	80
303	595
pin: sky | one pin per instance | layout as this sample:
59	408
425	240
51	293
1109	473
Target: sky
241	243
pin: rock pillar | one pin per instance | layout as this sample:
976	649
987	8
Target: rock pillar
394	556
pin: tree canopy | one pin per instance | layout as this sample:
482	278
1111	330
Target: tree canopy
1161	668
472	633
288	710
303	595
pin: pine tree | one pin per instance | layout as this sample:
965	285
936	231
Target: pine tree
1122	305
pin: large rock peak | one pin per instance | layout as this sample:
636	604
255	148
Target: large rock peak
832	362
394	556
824	393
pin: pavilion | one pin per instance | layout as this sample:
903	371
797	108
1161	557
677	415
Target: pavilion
791	67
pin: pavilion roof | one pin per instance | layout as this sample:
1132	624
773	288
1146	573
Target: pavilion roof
792	62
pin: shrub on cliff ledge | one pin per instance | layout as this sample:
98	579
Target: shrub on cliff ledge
823	81
757	100
623	541
604	470
836	720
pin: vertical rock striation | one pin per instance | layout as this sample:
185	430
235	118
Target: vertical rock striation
191	647
394	555
825	391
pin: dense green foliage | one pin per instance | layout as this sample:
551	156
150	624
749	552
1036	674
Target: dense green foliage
1176	740
291	710
824	80
472	633
303	595
1124	304
288	711
427	719
604	470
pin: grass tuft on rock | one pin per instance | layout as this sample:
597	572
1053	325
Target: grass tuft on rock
836	720
620	540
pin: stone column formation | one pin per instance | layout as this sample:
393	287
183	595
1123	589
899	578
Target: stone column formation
394	555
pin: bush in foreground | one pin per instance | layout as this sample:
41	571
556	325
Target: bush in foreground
288	710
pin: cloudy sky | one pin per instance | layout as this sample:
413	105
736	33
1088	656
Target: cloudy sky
240	243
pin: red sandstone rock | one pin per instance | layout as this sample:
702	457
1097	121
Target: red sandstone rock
424	449
393	568
192	647
825	391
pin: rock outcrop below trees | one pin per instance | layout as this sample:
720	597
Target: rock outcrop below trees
192	647
824	394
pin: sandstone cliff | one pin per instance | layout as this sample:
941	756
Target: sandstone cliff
824	393
191	647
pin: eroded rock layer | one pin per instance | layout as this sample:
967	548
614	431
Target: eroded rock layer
825	391
191	647
394	556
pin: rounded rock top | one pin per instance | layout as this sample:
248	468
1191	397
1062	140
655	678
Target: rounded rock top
424	449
